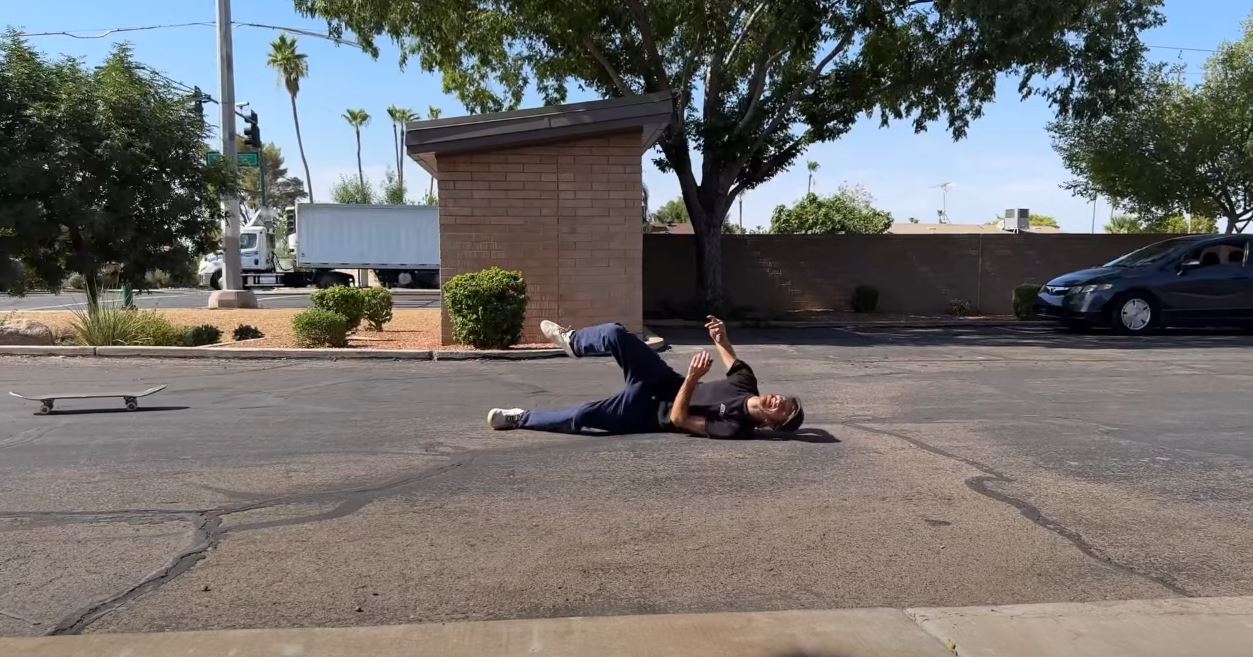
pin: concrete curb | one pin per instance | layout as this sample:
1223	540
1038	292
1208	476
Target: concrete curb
1215	627
236	353
29	350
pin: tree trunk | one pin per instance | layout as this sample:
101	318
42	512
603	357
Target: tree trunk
301	143
707	227
360	173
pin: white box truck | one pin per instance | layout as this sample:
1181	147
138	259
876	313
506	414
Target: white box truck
400	243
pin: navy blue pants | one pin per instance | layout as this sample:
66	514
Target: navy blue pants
649	381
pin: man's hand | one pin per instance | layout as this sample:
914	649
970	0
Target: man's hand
717	330
718	333
699	366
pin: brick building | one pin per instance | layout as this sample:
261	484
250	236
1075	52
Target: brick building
555	192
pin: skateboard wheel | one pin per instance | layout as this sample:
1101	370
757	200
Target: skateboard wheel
131	404
44	409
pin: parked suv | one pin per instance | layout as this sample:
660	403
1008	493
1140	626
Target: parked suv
1198	280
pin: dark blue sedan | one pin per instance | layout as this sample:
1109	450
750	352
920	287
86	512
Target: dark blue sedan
1198	280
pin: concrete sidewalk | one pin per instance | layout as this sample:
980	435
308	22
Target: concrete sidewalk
1214	627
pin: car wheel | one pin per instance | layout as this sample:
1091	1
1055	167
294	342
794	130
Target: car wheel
1133	314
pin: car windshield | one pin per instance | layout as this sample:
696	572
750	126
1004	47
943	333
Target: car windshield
248	241
1149	254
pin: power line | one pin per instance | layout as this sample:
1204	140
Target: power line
102	33
1181	48
110	31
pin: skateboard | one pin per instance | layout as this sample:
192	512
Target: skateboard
130	398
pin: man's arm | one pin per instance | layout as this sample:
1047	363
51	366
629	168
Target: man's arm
679	417
718	333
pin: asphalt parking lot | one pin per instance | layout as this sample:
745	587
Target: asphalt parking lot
197	298
942	467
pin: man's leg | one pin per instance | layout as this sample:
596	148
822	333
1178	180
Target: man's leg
638	361
631	411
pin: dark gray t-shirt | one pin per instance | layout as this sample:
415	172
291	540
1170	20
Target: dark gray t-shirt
723	403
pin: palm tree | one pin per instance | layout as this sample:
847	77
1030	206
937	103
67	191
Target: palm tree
432	112
357	118
400	116
292	67
813	168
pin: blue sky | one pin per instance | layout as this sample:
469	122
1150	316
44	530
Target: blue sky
1006	160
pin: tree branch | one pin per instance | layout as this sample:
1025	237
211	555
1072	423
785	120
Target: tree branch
743	35
774	162
756	87
596	54
640	14
790	101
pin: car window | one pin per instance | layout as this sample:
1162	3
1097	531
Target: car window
1228	253
248	241
1149	254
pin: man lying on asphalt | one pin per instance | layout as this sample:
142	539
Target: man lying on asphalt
657	398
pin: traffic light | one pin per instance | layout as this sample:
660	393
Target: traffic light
252	134
198	99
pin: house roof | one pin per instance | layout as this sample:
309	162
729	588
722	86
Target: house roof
906	228
426	139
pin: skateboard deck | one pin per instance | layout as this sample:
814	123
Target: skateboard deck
130	398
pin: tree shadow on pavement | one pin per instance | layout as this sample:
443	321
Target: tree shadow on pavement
1026	335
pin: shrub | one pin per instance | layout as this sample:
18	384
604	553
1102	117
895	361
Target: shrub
155	330
111	324
104	326
487	308
204	334
865	299
317	327
960	308
76	282
347	302
1024	300
378	307
246	332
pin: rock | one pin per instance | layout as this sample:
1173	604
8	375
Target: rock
23	331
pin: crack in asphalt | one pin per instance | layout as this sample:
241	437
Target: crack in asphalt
979	484
208	531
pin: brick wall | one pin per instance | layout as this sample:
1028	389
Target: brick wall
778	276
567	214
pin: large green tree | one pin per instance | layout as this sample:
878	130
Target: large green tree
100	165
672	212
850	210
1175	148
281	190
756	82
1169	225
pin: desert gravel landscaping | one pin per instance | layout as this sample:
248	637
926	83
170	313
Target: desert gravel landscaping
409	328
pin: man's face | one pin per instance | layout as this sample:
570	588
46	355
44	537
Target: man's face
777	409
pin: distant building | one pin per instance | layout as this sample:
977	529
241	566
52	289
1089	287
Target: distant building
907	228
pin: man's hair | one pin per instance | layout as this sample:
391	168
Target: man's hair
796	419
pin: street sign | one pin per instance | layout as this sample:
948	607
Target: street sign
252	159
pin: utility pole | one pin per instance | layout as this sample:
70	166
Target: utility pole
1093	215
232	294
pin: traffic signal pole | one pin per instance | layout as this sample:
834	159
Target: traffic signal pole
232	294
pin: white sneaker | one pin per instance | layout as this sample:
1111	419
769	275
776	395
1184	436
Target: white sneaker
503	419
558	335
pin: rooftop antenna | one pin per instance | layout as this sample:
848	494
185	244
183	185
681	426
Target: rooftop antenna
944	187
